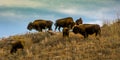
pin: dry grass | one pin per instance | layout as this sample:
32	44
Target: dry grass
44	46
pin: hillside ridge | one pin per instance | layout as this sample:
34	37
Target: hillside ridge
44	46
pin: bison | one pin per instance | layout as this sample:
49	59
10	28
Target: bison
40	24
65	32
64	22
86	29
16	45
79	21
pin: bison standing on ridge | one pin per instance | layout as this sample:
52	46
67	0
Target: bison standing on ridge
86	29
79	21
65	32
64	22
16	45
40	24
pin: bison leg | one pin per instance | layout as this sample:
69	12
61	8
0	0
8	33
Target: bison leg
50	28
85	35
65	34
98	32
40	30
59	28
13	50
55	28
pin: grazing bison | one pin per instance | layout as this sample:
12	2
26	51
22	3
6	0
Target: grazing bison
40	24
79	21
65	32
16	45
64	22
86	29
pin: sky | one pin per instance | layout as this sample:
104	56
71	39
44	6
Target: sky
16	14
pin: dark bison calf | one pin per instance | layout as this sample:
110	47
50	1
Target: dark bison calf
16	45
79	21
64	22
65	32
86	29
40	24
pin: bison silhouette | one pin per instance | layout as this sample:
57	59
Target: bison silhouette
65	32
64	22
16	45
86	29
38	25
79	21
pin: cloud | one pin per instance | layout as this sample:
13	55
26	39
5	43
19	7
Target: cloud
67	11
92	9
7	14
16	14
21	3
82	12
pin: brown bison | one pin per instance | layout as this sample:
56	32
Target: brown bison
86	29
65	32
79	21
16	45
40	24
64	22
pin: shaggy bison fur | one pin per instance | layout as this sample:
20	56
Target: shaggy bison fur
65	32
16	45
86	29
40	24
64	22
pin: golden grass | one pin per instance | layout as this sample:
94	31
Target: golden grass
44	46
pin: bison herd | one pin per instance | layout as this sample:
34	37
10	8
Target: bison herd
67	24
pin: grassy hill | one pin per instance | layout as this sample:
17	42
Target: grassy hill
44	46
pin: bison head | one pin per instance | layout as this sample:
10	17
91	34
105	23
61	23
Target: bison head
79	21
76	29
29	27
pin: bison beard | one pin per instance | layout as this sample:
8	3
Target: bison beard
65	32
86	29
15	46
